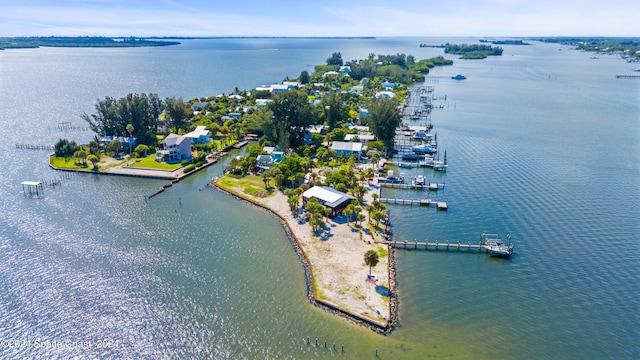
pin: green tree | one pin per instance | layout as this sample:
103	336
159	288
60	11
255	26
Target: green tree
304	77
371	259
334	111
178	111
291	116
384	117
115	146
130	131
335	59
65	148
93	159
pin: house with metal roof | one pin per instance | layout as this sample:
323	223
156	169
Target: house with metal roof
329	197
347	148
199	136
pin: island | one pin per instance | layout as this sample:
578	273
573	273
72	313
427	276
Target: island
83	41
469	51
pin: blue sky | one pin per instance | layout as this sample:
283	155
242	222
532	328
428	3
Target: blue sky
319	18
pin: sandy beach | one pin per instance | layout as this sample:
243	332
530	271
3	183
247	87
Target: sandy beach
336	255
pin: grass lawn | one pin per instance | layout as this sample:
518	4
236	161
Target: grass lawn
68	163
244	185
149	162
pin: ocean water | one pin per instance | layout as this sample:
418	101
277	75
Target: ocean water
543	144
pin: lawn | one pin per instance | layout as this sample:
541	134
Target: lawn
149	162
68	163
250	185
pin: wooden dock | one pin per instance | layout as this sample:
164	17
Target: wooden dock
35	147
429	186
440	205
627	76
446	246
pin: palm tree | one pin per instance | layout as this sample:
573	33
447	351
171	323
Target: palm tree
130	131
371	259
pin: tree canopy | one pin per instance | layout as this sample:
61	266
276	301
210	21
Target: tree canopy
113	115
291	116
384	117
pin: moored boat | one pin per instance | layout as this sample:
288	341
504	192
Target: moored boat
458	77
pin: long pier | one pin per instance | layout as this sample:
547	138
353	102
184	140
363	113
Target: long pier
441	205
429	186
35	147
447	246
627	76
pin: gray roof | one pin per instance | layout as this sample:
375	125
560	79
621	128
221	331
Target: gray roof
173	139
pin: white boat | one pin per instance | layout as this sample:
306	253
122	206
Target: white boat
422	135
495	246
419	181
439	166
423	149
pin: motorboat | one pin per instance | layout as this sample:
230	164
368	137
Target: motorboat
423	149
419	181
458	77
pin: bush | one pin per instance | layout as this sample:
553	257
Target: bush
188	168
65	148
198	164
185	162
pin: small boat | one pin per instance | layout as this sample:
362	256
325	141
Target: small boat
423	149
406	165
439	166
428	161
390	178
422	135
409	157
458	77
495	246
419	181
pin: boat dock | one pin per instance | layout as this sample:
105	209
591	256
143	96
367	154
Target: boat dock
446	246
627	76
35	147
429	186
440	205
489	243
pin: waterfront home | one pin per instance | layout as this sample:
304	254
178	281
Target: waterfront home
328	197
363	138
126	141
264	162
346	149
175	148
199	136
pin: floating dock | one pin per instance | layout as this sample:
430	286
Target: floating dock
627	76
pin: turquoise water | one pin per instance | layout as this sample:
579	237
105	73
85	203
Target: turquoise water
542	144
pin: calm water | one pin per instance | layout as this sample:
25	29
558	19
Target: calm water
542	143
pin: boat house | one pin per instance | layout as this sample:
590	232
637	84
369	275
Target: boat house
335	200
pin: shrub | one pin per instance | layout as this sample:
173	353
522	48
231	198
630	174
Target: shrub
199	163
188	168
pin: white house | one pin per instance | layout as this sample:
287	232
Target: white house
344	148
199	136
175	148
363	138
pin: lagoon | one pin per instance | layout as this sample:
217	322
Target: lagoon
542	143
